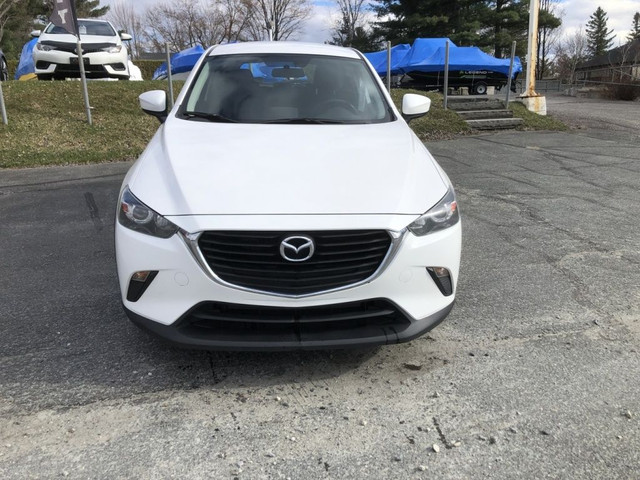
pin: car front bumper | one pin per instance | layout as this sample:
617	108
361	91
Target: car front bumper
296	337
97	64
412	301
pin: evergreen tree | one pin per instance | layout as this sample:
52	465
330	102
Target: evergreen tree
406	20
635	28
506	21
19	22
599	37
360	39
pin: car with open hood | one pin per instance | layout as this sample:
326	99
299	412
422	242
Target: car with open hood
285	203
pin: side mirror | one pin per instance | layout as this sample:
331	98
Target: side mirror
35	33
125	37
154	103
414	106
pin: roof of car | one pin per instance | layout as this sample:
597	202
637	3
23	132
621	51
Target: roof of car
283	47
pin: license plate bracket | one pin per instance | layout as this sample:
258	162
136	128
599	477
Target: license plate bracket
76	61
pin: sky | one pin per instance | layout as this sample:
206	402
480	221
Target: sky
575	14
620	13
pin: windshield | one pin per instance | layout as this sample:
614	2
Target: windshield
103	29
277	88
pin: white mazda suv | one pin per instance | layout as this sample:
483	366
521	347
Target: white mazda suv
104	53
285	203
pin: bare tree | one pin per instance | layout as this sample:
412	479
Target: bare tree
351	17
286	18
236	18
125	18
623	62
184	24
571	51
5	13
548	34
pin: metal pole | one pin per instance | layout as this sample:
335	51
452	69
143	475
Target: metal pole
3	109
169	75
388	66
532	49
446	73
83	77
513	55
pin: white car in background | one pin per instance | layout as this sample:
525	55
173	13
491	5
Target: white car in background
285	203
104	53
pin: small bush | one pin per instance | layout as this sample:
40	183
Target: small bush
147	67
12	65
628	92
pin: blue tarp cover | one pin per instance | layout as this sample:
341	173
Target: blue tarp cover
427	55
181	62
379	59
26	65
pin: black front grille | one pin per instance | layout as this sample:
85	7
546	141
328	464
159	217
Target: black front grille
247	323
253	260
75	69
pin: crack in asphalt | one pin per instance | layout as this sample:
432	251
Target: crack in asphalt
94	212
214	375
441	434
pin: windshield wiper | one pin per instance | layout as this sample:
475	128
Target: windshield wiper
212	117
304	120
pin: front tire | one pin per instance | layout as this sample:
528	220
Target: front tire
45	77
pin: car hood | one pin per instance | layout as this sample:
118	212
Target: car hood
86	39
201	168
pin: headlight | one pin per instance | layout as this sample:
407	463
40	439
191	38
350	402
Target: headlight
444	215
113	49
137	216
44	48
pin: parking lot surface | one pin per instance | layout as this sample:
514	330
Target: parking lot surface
533	375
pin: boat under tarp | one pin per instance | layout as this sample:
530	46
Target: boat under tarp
181	64
26	68
379	59
428	55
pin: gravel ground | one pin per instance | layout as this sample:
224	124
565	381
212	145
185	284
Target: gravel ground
533	375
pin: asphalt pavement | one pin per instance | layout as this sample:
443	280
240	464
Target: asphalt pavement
533	375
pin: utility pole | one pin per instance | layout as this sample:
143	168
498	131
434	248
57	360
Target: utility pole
532	49
534	102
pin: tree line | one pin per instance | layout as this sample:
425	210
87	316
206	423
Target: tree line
181	23
364	24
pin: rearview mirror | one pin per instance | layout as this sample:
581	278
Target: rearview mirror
154	103
125	36
414	106
287	72
35	33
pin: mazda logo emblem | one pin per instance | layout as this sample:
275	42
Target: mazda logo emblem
297	248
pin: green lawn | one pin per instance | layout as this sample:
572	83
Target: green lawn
47	122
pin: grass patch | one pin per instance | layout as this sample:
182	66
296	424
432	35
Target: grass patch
533	121
439	123
47	122
48	126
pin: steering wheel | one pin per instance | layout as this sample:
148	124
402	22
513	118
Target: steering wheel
336	102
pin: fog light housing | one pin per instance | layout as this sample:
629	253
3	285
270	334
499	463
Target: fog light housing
442	278
139	282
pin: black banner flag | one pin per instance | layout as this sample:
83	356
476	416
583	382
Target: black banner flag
64	16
